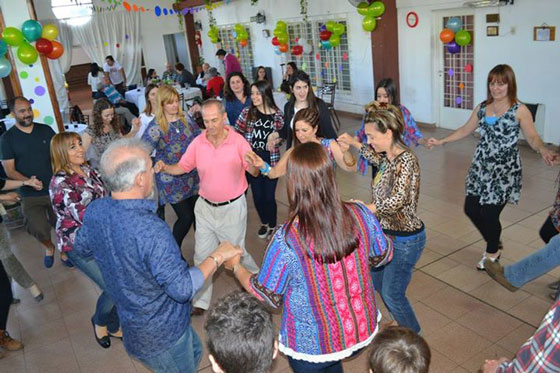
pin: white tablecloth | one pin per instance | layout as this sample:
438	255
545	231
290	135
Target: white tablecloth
280	98
75	127
136	96
189	94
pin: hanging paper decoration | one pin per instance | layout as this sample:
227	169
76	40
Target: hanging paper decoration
317	56
468	68
345	56
459	100
461	86
450	72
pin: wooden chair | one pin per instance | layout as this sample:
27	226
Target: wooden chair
327	93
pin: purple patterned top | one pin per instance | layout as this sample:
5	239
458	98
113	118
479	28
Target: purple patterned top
170	146
70	195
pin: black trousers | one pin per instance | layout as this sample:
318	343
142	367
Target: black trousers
185	217
6	297
548	230
486	218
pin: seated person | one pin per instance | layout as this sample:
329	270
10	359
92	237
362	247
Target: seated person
116	98
169	73
184	77
240	335
215	84
203	78
399	350
151	78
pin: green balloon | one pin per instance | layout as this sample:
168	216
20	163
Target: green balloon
463	37
339	29
376	9
3	47
363	8
243	35
330	25
369	23
281	25
238	27
335	40
283	38
12	36
277	32
32	30
27	53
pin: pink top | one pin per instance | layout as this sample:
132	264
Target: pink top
232	64
222	169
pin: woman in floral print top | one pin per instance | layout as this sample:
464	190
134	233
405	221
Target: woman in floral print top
395	192
73	187
170	134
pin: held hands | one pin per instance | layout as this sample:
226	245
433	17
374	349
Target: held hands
344	146
431	142
231	263
254	160
345	140
490	366
228	252
550	157
159	167
34	183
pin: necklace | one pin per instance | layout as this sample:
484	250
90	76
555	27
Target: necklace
497	109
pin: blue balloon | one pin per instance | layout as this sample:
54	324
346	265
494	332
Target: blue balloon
454	23
277	50
3	47
326	44
5	67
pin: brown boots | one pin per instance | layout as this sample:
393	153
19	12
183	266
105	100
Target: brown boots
8	343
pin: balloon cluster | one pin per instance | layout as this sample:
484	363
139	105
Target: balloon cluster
214	34
330	34
241	35
454	36
31	31
280	39
371	12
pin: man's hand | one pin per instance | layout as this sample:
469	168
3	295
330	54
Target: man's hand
10	198
34	183
231	263
254	160
227	251
490	366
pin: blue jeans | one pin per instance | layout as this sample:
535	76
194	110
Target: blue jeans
302	366
105	310
183	356
392	279
535	265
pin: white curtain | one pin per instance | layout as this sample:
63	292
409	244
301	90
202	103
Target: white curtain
100	37
60	66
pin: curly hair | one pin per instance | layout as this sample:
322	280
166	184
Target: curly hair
98	107
386	117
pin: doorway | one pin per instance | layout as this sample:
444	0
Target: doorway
176	49
454	83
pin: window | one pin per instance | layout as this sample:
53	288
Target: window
333	66
72	11
243	54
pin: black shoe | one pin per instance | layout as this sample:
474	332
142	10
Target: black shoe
197	311
263	231
554	285
15	300
105	341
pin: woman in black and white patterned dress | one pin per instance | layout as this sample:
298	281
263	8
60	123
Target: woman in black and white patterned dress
494	177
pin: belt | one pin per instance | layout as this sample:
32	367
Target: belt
218	204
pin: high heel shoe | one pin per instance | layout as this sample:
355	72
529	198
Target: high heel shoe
104	341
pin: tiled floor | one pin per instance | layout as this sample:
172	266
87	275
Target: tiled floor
465	316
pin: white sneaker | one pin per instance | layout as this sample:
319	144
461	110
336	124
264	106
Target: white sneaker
270	233
480	265
263	231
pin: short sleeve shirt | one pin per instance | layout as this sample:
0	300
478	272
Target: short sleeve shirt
114	72
31	153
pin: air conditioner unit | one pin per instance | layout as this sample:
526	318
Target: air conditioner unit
487	3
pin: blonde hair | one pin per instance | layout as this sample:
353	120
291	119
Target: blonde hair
59	151
386	117
167	95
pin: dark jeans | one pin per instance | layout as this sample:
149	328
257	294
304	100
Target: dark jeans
301	366
185	217
6	297
548	230
264	197
486	218
97	95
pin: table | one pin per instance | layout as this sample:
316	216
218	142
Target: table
280	98
189	94
75	127
136	96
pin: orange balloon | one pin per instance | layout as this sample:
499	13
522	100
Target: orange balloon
57	50
446	35
283	48
243	42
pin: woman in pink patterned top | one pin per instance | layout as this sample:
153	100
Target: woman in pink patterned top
317	265
73	186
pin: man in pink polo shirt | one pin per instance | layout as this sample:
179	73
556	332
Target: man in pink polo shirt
218	154
230	61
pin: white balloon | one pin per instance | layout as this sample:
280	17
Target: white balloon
302	42
307	49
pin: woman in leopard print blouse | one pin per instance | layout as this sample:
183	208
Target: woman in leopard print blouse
395	192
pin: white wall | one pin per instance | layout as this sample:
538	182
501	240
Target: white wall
535	63
263	53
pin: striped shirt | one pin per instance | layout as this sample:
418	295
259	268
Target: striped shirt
329	308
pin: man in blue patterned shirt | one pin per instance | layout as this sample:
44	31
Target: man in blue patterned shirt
141	263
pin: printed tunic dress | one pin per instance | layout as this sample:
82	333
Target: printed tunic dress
495	173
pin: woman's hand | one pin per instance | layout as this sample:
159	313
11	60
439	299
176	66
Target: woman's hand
550	157
254	160
346	139
344	147
431	142
159	167
136	123
10	198
272	141
231	263
227	251
34	183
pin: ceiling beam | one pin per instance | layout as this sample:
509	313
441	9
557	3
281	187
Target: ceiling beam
190	4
